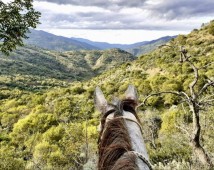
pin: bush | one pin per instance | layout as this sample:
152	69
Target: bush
211	29
181	39
173	165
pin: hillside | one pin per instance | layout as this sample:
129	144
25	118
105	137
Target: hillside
57	128
139	49
50	41
167	121
38	64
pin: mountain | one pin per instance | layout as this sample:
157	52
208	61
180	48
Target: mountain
142	48
50	41
104	45
36	64
135	48
56	128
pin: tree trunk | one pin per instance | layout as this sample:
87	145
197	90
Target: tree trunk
195	139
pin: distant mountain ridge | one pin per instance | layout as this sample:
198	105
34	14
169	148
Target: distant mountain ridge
149	46
50	41
104	45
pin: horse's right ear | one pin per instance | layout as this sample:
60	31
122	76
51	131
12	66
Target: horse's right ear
131	93
100	101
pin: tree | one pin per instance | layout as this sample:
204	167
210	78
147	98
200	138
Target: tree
15	20
196	101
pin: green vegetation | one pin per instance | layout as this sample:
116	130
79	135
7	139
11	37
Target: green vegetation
152	45
32	68
56	127
15	20
211	28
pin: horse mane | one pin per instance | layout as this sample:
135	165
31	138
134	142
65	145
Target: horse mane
114	140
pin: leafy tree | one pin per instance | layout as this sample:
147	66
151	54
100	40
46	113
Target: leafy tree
15	20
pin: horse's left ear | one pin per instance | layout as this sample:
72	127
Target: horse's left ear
131	93
100	101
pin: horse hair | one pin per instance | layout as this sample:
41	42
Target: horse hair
114	140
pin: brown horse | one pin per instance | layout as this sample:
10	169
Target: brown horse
121	144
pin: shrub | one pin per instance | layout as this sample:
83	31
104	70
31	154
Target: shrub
211	29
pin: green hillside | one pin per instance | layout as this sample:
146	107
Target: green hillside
57	128
32	66
150	46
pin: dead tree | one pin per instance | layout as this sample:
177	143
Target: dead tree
195	105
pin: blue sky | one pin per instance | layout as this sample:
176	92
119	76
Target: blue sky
122	21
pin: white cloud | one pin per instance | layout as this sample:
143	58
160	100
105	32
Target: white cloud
54	8
151	15
122	20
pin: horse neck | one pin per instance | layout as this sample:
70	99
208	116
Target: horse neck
133	139
135	134
114	142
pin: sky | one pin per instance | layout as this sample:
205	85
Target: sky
122	21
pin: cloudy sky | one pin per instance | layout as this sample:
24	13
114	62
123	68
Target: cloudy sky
123	21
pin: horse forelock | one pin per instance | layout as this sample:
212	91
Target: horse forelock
124	105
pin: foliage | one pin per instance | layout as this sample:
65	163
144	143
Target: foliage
181	39
15	20
173	165
211	28
32	68
55	126
9	158
148	47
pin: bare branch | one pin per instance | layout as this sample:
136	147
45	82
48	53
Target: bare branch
208	102
193	83
151	137
206	98
195	69
77	161
183	108
184	57
210	83
183	130
185	95
180	94
205	66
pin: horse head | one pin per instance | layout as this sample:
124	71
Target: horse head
121	144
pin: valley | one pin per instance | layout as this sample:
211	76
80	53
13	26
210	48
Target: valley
47	114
